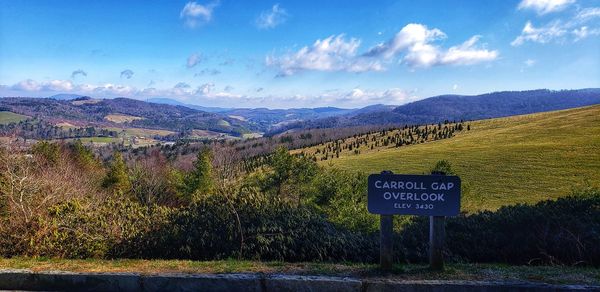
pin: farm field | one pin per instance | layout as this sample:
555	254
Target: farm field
141	131
119	118
10	117
102	140
504	161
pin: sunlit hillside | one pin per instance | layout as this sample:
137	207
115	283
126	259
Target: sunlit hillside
520	159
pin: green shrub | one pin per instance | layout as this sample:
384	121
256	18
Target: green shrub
253	227
565	231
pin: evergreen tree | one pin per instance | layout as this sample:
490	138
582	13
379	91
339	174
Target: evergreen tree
199	181
83	155
443	166
117	178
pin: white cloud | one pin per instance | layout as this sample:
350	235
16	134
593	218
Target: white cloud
580	25
529	62
127	74
455	87
588	13
541	35
583	32
467	54
415	41
360	97
193	60
545	6
205	89
58	85
26	85
181	85
53	85
194	14
107	90
207	94
334	53
271	18
78	72
66	86
413	37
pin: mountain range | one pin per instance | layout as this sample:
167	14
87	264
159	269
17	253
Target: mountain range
459	107
164	113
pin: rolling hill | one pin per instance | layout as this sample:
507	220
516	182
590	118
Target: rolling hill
459	107
123	112
170	101
504	161
265	119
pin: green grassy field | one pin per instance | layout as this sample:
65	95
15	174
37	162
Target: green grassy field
520	159
10	117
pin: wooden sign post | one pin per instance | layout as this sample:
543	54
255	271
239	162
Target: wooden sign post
386	247
437	234
386	242
435	195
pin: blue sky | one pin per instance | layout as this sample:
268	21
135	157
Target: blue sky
282	54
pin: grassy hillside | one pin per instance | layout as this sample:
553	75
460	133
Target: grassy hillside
520	159
9	117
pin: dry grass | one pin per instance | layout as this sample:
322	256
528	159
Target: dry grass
86	101
120	118
482	272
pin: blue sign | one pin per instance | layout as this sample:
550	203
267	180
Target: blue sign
426	195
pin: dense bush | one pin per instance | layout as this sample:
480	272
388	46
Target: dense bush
252	227
565	231
52	203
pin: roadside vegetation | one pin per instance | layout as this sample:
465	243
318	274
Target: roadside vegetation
65	201
454	271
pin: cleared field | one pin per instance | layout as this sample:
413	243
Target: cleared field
223	123
10	117
86	101
119	118
66	125
238	118
143	132
520	159
86	140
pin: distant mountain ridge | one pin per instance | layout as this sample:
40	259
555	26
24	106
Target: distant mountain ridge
164	113
497	104
169	101
461	107
85	110
65	96
264	118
